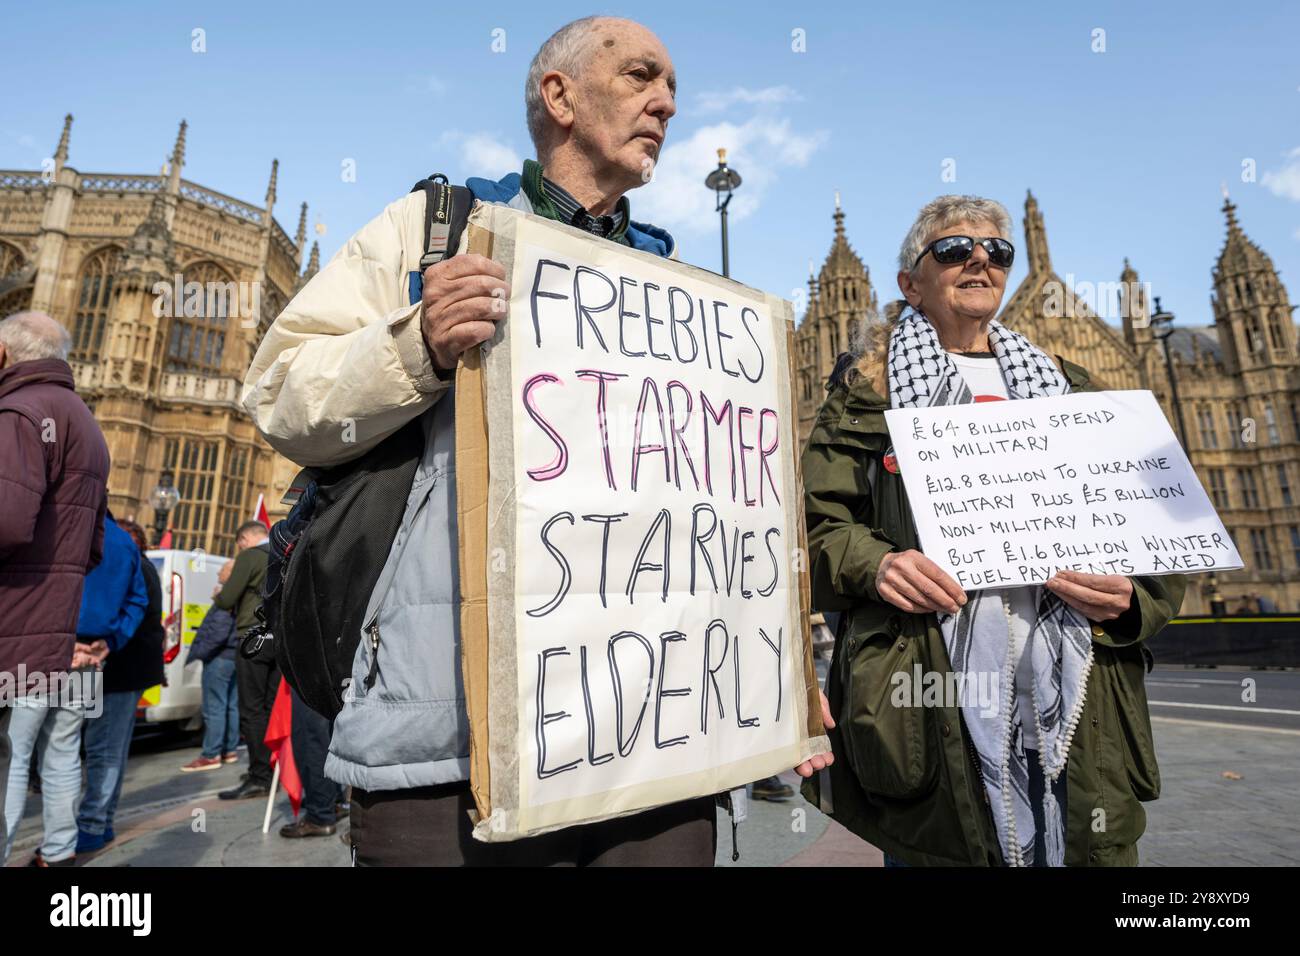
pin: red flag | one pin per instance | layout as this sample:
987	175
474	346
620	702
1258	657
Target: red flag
259	513
166	541
279	738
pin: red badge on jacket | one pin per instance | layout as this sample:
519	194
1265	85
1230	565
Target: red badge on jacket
891	461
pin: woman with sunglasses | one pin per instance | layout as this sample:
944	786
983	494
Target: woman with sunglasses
1048	771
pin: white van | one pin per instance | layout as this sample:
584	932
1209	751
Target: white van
188	579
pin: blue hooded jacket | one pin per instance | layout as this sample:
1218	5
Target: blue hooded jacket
640	235
114	599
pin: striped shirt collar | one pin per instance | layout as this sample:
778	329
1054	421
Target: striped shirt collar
572	212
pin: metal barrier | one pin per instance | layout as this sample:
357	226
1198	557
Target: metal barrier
1258	640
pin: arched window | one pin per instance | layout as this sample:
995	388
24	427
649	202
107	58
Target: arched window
11	259
193	462
94	294
197	338
1275	330
15	295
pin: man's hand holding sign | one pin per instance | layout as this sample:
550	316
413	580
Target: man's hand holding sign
463	299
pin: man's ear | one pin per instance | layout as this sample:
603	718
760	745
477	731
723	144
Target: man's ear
557	94
4	356
907	286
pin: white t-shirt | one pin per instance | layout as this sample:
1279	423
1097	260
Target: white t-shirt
982	374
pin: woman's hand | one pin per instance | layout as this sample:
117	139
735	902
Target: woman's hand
1098	597
819	761
911	581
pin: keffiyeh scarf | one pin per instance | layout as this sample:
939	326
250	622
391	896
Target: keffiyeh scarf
978	638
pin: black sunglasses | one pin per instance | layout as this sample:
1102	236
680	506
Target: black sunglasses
951	249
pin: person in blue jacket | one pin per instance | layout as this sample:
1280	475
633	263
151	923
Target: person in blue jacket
132	667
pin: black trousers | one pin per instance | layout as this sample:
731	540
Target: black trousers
258	682
311	741
1037	791
430	826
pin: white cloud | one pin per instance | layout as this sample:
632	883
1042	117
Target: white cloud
716	101
490	156
758	149
484	154
1286	181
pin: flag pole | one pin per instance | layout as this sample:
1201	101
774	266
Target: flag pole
270	799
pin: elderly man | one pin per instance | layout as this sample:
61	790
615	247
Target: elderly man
53	475
358	353
113	603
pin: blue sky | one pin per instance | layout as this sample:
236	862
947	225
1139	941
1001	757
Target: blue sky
1125	149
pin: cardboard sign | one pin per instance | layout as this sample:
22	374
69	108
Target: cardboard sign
1006	493
634	599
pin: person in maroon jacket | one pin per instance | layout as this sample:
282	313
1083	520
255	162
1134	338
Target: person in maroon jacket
53	485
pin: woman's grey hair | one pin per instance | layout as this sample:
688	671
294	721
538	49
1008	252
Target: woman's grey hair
34	335
948	211
567	50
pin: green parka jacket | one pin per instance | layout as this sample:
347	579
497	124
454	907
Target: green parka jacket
904	778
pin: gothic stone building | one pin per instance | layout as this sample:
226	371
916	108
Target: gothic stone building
166	287
1238	382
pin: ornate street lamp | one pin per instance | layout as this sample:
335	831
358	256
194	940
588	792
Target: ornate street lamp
1162	327
163	499
722	181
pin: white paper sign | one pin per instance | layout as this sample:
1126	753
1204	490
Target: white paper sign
655	518
1007	493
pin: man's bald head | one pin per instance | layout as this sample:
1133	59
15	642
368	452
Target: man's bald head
26	336
602	88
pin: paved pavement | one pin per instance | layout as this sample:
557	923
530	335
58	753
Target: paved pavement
1229	782
1228	741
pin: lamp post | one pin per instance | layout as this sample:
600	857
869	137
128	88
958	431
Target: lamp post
1162	327
163	499
722	181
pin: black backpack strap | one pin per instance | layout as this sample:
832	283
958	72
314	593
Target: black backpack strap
446	210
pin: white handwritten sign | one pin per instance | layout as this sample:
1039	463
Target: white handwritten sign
1006	493
647	642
